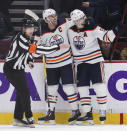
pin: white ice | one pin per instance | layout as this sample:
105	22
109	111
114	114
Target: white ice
67	128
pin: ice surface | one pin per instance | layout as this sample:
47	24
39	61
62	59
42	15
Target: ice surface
67	128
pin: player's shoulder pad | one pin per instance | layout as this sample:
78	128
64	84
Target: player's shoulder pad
90	24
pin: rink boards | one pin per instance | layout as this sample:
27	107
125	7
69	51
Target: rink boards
116	80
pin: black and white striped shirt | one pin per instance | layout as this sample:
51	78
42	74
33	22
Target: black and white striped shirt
19	56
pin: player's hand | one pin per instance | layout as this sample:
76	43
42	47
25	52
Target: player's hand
64	46
31	65
85	4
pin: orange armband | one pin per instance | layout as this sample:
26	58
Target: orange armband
32	48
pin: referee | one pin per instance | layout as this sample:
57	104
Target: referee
19	56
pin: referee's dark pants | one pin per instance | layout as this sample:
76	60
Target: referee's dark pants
18	79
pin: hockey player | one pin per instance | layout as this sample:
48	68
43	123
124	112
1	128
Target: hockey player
19	56
58	64
88	57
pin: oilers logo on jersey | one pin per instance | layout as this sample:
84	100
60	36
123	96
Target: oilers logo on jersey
56	40
79	42
91	52
56	36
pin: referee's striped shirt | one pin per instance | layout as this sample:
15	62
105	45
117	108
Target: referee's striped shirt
19	56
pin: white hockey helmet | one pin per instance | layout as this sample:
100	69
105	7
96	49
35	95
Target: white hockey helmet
77	14
48	12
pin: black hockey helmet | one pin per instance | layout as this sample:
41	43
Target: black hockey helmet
28	23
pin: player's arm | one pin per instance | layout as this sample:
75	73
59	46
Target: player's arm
46	50
69	23
33	48
40	49
104	35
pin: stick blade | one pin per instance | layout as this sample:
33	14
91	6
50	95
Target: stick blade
32	14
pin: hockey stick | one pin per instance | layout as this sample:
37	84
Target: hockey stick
32	14
44	68
36	18
45	73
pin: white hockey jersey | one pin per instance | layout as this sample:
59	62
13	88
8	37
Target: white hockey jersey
84	43
56	37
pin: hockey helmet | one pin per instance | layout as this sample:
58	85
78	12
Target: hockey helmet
48	12
28	23
77	14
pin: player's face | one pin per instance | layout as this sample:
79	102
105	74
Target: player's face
52	19
80	23
29	31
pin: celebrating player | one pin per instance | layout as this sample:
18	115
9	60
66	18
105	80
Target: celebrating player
88	57
58	64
